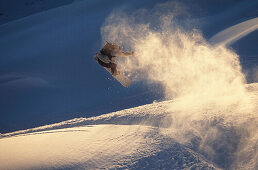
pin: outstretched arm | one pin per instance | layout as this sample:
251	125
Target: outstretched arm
122	54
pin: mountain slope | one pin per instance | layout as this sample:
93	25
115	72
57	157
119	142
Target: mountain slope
143	137
97	147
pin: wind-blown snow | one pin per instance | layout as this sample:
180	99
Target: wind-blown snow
209	121
47	70
182	61
51	53
203	79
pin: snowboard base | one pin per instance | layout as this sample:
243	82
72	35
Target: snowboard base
121	78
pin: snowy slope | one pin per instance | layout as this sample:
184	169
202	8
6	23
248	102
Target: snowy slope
97	147
16	9
47	73
47	70
46	58
143	137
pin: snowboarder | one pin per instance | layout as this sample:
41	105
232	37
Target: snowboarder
106	56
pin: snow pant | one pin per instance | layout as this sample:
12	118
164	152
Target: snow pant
110	65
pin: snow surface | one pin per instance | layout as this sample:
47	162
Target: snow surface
183	133
46	59
136	138
98	147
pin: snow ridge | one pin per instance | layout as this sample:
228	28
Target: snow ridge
143	137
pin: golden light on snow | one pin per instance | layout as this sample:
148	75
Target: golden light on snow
87	147
187	67
205	81
210	113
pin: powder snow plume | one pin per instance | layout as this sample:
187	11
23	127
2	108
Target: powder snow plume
205	81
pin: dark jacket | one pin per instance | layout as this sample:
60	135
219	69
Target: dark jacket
109	49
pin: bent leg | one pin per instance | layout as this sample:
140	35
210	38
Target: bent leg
113	68
110	65
103	64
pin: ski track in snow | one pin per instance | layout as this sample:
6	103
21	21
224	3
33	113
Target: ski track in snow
234	33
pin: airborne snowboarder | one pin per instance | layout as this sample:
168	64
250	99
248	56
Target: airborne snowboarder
106	58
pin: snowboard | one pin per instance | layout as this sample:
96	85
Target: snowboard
121	78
